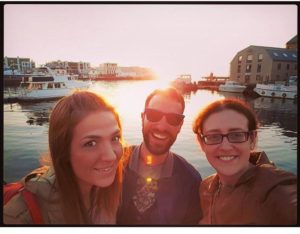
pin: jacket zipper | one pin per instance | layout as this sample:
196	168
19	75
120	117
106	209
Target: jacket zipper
212	213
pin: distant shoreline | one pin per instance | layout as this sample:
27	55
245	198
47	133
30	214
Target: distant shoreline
15	80
117	78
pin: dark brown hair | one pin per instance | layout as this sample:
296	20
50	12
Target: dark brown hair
169	92
225	104
67	113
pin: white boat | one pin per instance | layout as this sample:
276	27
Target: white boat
48	86
232	86
278	90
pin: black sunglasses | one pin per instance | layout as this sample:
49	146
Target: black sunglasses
172	118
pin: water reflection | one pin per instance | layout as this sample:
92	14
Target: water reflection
37	118
232	95
278	112
26	126
37	113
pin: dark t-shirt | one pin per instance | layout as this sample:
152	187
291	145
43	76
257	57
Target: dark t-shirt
172	198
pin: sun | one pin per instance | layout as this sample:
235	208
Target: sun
130	97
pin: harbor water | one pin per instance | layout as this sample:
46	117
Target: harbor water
26	126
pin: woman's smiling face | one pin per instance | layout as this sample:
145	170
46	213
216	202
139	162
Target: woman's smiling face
96	150
230	160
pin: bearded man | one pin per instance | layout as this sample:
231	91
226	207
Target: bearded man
160	187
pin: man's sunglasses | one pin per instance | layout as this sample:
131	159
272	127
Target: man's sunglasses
172	118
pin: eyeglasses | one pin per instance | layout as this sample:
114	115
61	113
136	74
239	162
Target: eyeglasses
172	118
232	137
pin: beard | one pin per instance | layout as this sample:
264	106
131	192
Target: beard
158	148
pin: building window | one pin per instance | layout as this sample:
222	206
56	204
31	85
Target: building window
278	66
247	79
288	67
258	78
285	55
57	85
239	69
260	57
294	55
249	58
240	59
258	67
248	68
275	54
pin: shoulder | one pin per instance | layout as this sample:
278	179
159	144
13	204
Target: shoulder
208	180
130	148
280	194
183	166
209	183
16	211
274	175
275	183
39	182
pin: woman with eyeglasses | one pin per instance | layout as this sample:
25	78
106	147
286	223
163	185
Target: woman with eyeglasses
247	188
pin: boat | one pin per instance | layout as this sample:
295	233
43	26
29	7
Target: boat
183	83
48	85
288	91
232	86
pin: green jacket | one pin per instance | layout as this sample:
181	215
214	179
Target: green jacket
40	182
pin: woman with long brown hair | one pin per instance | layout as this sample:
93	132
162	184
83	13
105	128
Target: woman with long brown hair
83	184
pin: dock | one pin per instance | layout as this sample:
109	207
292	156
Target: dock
212	82
8	100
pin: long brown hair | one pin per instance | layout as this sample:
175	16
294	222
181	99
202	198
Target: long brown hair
67	113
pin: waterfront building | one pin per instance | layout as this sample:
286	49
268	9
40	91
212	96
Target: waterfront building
261	64
113	71
108	69
72	68
292	44
18	65
94	72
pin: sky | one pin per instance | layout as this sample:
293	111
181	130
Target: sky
170	39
